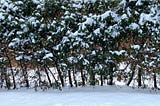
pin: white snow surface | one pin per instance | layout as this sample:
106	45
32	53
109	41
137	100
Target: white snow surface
85	96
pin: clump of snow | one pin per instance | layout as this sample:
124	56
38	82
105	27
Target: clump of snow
124	16
32	20
72	59
77	6
14	42
1	16
65	39
19	32
21	57
2	59
18	2
113	30
134	26
123	3
139	3
151	63
93	52
80	56
136	47
89	21
147	17
118	52
36	1
97	31
109	13
85	62
128	11
106	14
24	27
48	55
85	1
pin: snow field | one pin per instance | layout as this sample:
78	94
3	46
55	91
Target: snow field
86	96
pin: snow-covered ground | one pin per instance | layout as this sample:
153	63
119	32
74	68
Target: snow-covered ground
87	96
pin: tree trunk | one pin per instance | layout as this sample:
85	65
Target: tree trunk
60	75
12	72
70	78
139	78
8	82
110	79
49	80
101	78
92	78
131	78
57	84
39	75
13	77
82	77
26	78
155	79
25	74
111	74
74	77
